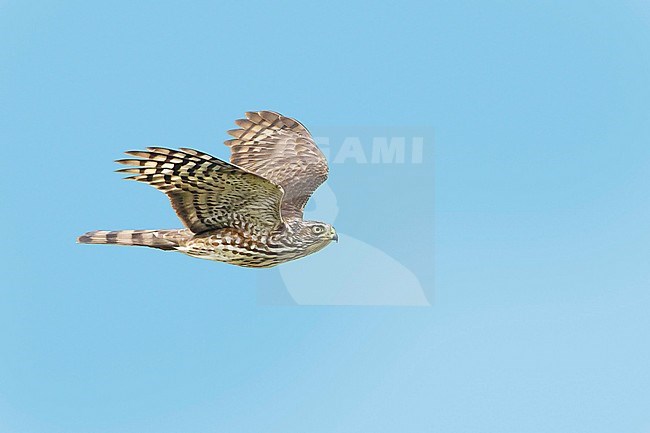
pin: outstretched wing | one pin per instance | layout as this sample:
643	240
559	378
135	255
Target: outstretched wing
280	149
208	193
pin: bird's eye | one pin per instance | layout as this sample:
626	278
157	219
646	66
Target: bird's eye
317	229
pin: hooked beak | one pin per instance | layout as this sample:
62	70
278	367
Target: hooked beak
335	236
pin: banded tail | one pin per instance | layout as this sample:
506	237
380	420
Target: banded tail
161	239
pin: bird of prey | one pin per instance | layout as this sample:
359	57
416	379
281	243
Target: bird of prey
248	212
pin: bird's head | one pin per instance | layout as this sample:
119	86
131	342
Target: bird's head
317	235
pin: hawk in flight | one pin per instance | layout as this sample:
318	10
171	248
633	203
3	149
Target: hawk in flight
248	212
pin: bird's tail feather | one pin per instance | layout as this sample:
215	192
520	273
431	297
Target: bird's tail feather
161	239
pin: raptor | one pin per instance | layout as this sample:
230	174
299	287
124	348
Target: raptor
247	212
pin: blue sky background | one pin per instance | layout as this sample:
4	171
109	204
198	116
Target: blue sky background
540	319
